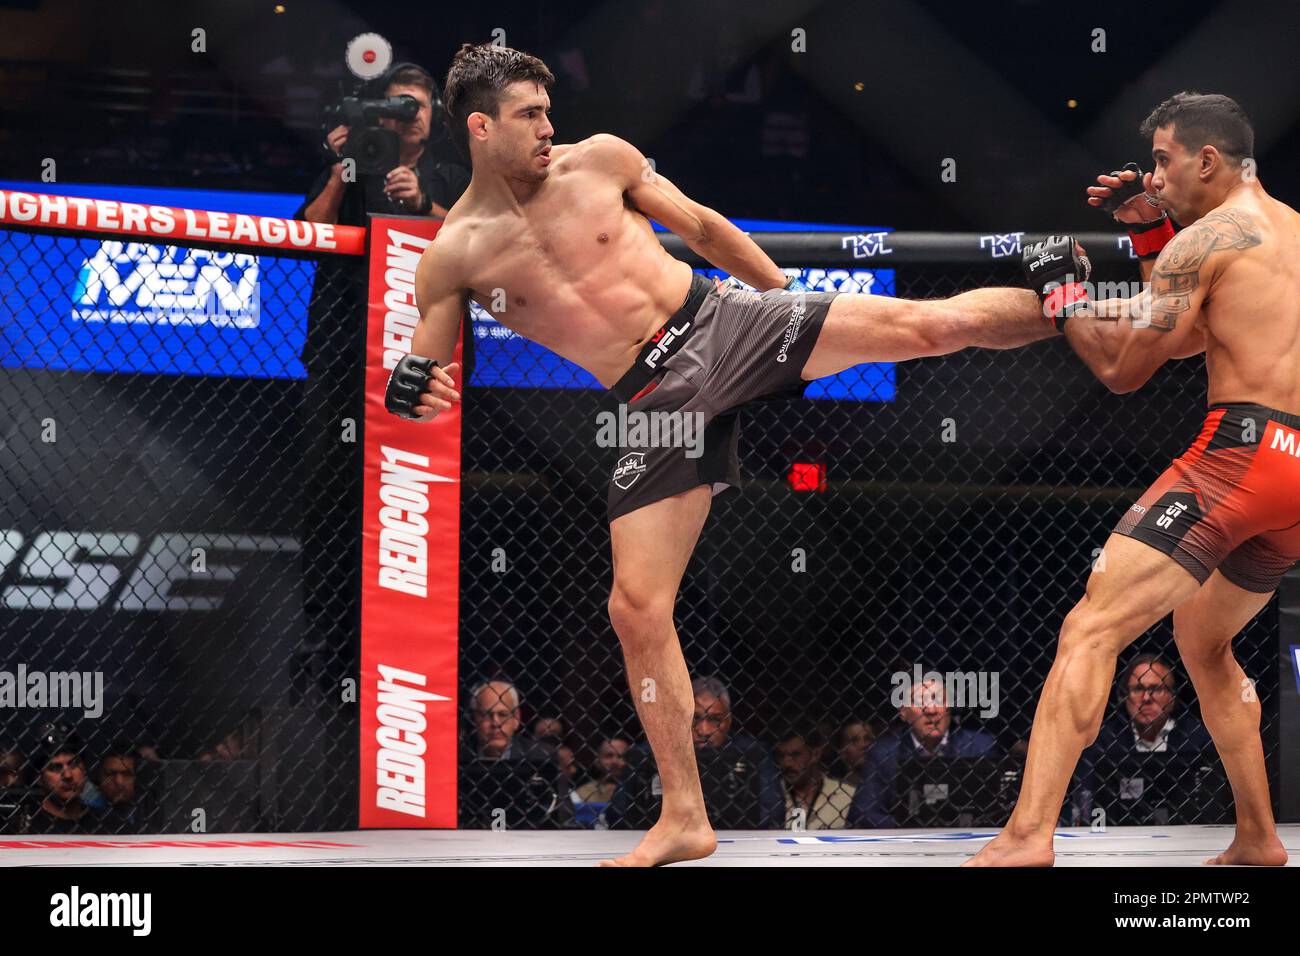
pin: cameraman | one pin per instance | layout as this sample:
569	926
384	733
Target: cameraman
420	184
334	356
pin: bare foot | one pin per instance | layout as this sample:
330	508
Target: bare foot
667	843
1003	850
1258	851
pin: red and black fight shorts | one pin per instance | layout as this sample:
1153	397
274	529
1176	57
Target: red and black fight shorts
1231	501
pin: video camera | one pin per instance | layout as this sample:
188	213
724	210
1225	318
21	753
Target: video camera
374	149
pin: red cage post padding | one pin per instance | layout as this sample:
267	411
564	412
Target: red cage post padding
410	565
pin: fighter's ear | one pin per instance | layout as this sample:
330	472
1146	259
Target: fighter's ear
1211	159
476	125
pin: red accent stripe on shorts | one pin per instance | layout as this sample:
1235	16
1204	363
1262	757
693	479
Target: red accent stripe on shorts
645	391
1193	454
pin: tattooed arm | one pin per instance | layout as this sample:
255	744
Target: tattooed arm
1128	339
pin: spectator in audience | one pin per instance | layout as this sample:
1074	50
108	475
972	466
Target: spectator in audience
611	764
13	790
230	746
850	743
549	730
11	767
592	798
1146	721
813	801
927	733
117	783
62	778
496	724
567	762
742	789
506	770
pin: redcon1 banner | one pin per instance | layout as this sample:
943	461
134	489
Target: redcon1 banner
410	564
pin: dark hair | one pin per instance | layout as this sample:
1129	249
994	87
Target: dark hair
1205	119
812	739
479	74
408	74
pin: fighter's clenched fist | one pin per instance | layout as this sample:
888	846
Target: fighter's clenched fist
419	389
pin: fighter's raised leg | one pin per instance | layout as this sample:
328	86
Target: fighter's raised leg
1204	627
876	328
651	547
1138	587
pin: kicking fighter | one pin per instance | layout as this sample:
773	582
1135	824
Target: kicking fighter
555	241
1212	538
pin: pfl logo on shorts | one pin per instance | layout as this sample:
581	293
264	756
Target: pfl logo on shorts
663	340
629	469
1002	244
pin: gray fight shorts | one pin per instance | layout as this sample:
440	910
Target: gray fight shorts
673	418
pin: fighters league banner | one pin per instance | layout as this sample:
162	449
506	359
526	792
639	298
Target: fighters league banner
409	566
1289	694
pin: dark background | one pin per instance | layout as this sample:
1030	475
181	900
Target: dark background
964	555
709	89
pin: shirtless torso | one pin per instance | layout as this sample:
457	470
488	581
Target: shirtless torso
576	267
1236	266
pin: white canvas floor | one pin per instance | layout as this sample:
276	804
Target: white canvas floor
1117	847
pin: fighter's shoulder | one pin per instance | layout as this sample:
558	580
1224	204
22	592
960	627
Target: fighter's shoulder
602	151
1226	228
442	261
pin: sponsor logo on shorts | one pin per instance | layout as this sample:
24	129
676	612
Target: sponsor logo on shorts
629	469
1172	513
1139	509
1285	441
1003	244
664	340
797	313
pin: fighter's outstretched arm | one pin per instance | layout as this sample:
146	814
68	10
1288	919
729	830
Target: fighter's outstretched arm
417	389
708	233
1124	341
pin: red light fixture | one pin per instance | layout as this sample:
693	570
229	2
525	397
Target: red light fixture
807	476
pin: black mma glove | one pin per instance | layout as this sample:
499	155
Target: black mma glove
410	379
1057	269
1149	237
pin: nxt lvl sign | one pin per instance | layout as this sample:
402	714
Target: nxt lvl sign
410	564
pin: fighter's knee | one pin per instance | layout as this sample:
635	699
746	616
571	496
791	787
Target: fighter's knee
1087	629
637	610
1199	645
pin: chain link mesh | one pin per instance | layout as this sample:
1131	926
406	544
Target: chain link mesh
178	542
957	527
193	539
